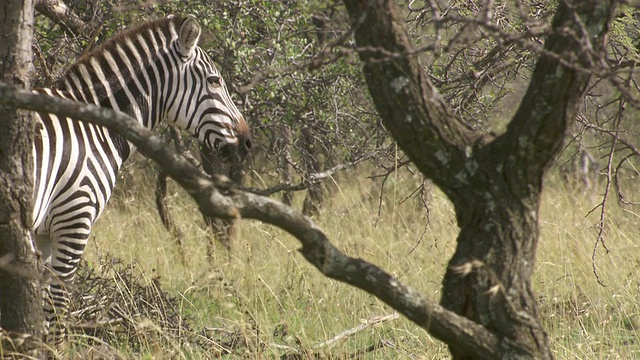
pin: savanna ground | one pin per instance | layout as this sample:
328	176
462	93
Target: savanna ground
271	301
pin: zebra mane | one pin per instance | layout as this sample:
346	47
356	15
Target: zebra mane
163	24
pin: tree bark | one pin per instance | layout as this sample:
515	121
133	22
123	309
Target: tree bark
21	295
494	183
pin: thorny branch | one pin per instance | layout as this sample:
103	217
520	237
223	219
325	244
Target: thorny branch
610	175
217	197
388	171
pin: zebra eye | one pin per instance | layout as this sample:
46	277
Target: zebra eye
214	80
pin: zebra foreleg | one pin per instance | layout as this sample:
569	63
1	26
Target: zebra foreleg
56	309
65	256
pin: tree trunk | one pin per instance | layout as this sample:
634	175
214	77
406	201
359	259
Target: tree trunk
488	279
285	161
495	183
21	295
315	193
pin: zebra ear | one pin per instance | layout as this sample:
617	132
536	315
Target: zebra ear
188	35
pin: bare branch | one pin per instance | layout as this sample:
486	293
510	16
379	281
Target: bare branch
217	197
58	12
313	178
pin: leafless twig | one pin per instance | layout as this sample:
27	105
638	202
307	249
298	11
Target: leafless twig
312	178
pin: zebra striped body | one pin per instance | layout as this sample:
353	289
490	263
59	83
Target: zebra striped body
153	72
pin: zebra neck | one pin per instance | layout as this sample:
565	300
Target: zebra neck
130	73
120	90
137	93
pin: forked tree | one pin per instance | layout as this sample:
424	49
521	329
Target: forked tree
494	182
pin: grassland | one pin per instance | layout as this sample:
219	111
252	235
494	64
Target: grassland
265	289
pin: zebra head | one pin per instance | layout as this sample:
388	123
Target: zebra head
200	103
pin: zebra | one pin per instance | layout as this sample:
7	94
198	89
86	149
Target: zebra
154	71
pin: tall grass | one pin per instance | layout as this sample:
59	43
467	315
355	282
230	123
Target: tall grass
266	291
586	320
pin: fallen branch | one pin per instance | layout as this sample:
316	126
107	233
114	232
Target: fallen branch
294	353
217	197
382	343
367	324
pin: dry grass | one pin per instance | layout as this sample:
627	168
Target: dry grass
584	319
267	299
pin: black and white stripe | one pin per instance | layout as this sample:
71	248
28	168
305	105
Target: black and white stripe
153	72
